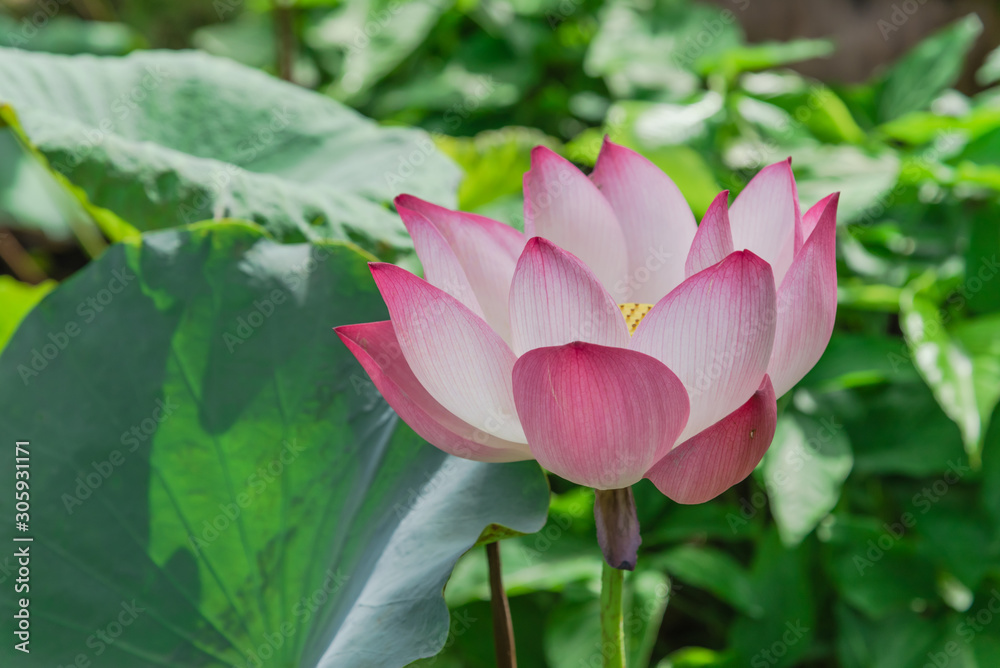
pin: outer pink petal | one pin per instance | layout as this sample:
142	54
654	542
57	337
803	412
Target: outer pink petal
655	218
714	460
807	304
456	356
486	249
714	240
441	267
375	346
811	217
595	415
555	299
765	217
715	331
562	205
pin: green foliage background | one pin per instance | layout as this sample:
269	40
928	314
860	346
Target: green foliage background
868	537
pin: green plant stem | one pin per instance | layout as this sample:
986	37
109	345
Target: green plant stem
284	23
503	629
612	628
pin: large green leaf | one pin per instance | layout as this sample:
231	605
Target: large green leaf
210	466
168	138
961	370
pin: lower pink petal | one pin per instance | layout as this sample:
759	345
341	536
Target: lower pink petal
375	346
807	304
709	463
595	415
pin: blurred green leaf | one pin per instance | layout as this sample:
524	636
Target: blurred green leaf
363	40
753	57
919	76
655	46
875	565
69	35
494	162
989	72
712	570
900	641
803	472
853	360
787	624
966	386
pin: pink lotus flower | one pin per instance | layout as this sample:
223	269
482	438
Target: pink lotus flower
615	339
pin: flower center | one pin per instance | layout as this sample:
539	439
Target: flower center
634	313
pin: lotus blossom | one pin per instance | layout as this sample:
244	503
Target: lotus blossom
615	339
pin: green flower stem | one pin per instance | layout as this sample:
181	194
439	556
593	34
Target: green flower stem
503	629
612	628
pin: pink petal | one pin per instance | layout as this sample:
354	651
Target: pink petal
597	416
555	299
375	346
714	240
714	460
456	356
655	218
811	217
562	205
765	217
441	267
486	249
715	331
807	302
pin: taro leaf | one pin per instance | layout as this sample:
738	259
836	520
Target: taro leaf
960	370
803	471
214	479
168	138
917	78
